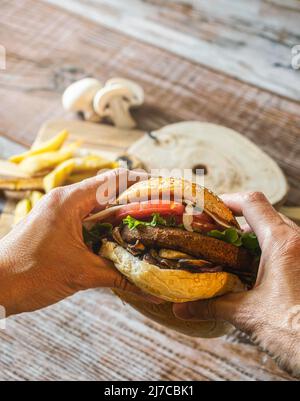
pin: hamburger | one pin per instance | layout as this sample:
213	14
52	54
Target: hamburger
177	241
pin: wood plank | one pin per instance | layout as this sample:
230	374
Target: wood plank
109	141
9	148
39	68
250	40
92	336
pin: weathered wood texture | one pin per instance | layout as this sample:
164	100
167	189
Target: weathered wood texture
92	336
109	141
48	48
250	40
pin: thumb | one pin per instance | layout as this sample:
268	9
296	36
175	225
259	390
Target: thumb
121	283
223	308
102	273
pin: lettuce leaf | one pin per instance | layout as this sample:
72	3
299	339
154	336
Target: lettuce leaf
133	223
99	231
234	237
250	241
231	235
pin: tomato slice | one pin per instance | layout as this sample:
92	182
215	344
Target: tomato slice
204	223
144	211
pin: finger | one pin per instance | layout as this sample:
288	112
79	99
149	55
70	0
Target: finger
257	210
221	309
102	273
121	283
142	296
233	202
97	191
289	222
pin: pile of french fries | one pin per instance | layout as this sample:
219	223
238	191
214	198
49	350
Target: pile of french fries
50	165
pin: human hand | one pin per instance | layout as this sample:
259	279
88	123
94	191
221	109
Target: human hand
270	312
44	259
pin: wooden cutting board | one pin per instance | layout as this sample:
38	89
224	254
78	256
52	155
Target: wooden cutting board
233	162
103	139
108	140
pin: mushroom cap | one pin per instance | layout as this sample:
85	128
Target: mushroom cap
79	96
106	95
138	96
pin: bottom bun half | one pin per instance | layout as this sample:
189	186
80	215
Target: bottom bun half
172	286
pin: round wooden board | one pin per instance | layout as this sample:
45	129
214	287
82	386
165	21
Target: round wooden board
232	162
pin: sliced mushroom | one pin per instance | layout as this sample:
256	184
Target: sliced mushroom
217	219
154	254
79	98
190	265
154	258
167	263
136	249
116	234
115	100
173	255
195	263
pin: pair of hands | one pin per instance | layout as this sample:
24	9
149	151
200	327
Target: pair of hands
44	260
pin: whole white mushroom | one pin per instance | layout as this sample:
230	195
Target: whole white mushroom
79	98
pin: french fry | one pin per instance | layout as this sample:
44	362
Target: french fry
52	145
35	164
35	197
23	208
59	175
22	184
10	170
75	178
78	168
92	163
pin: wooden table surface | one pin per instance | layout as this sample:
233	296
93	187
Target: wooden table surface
224	62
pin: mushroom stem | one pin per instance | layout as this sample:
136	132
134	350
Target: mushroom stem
91	116
120	114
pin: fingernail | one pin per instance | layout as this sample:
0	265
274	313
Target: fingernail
135	176
152	299
183	311
138	173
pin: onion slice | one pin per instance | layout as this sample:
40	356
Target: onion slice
103	215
